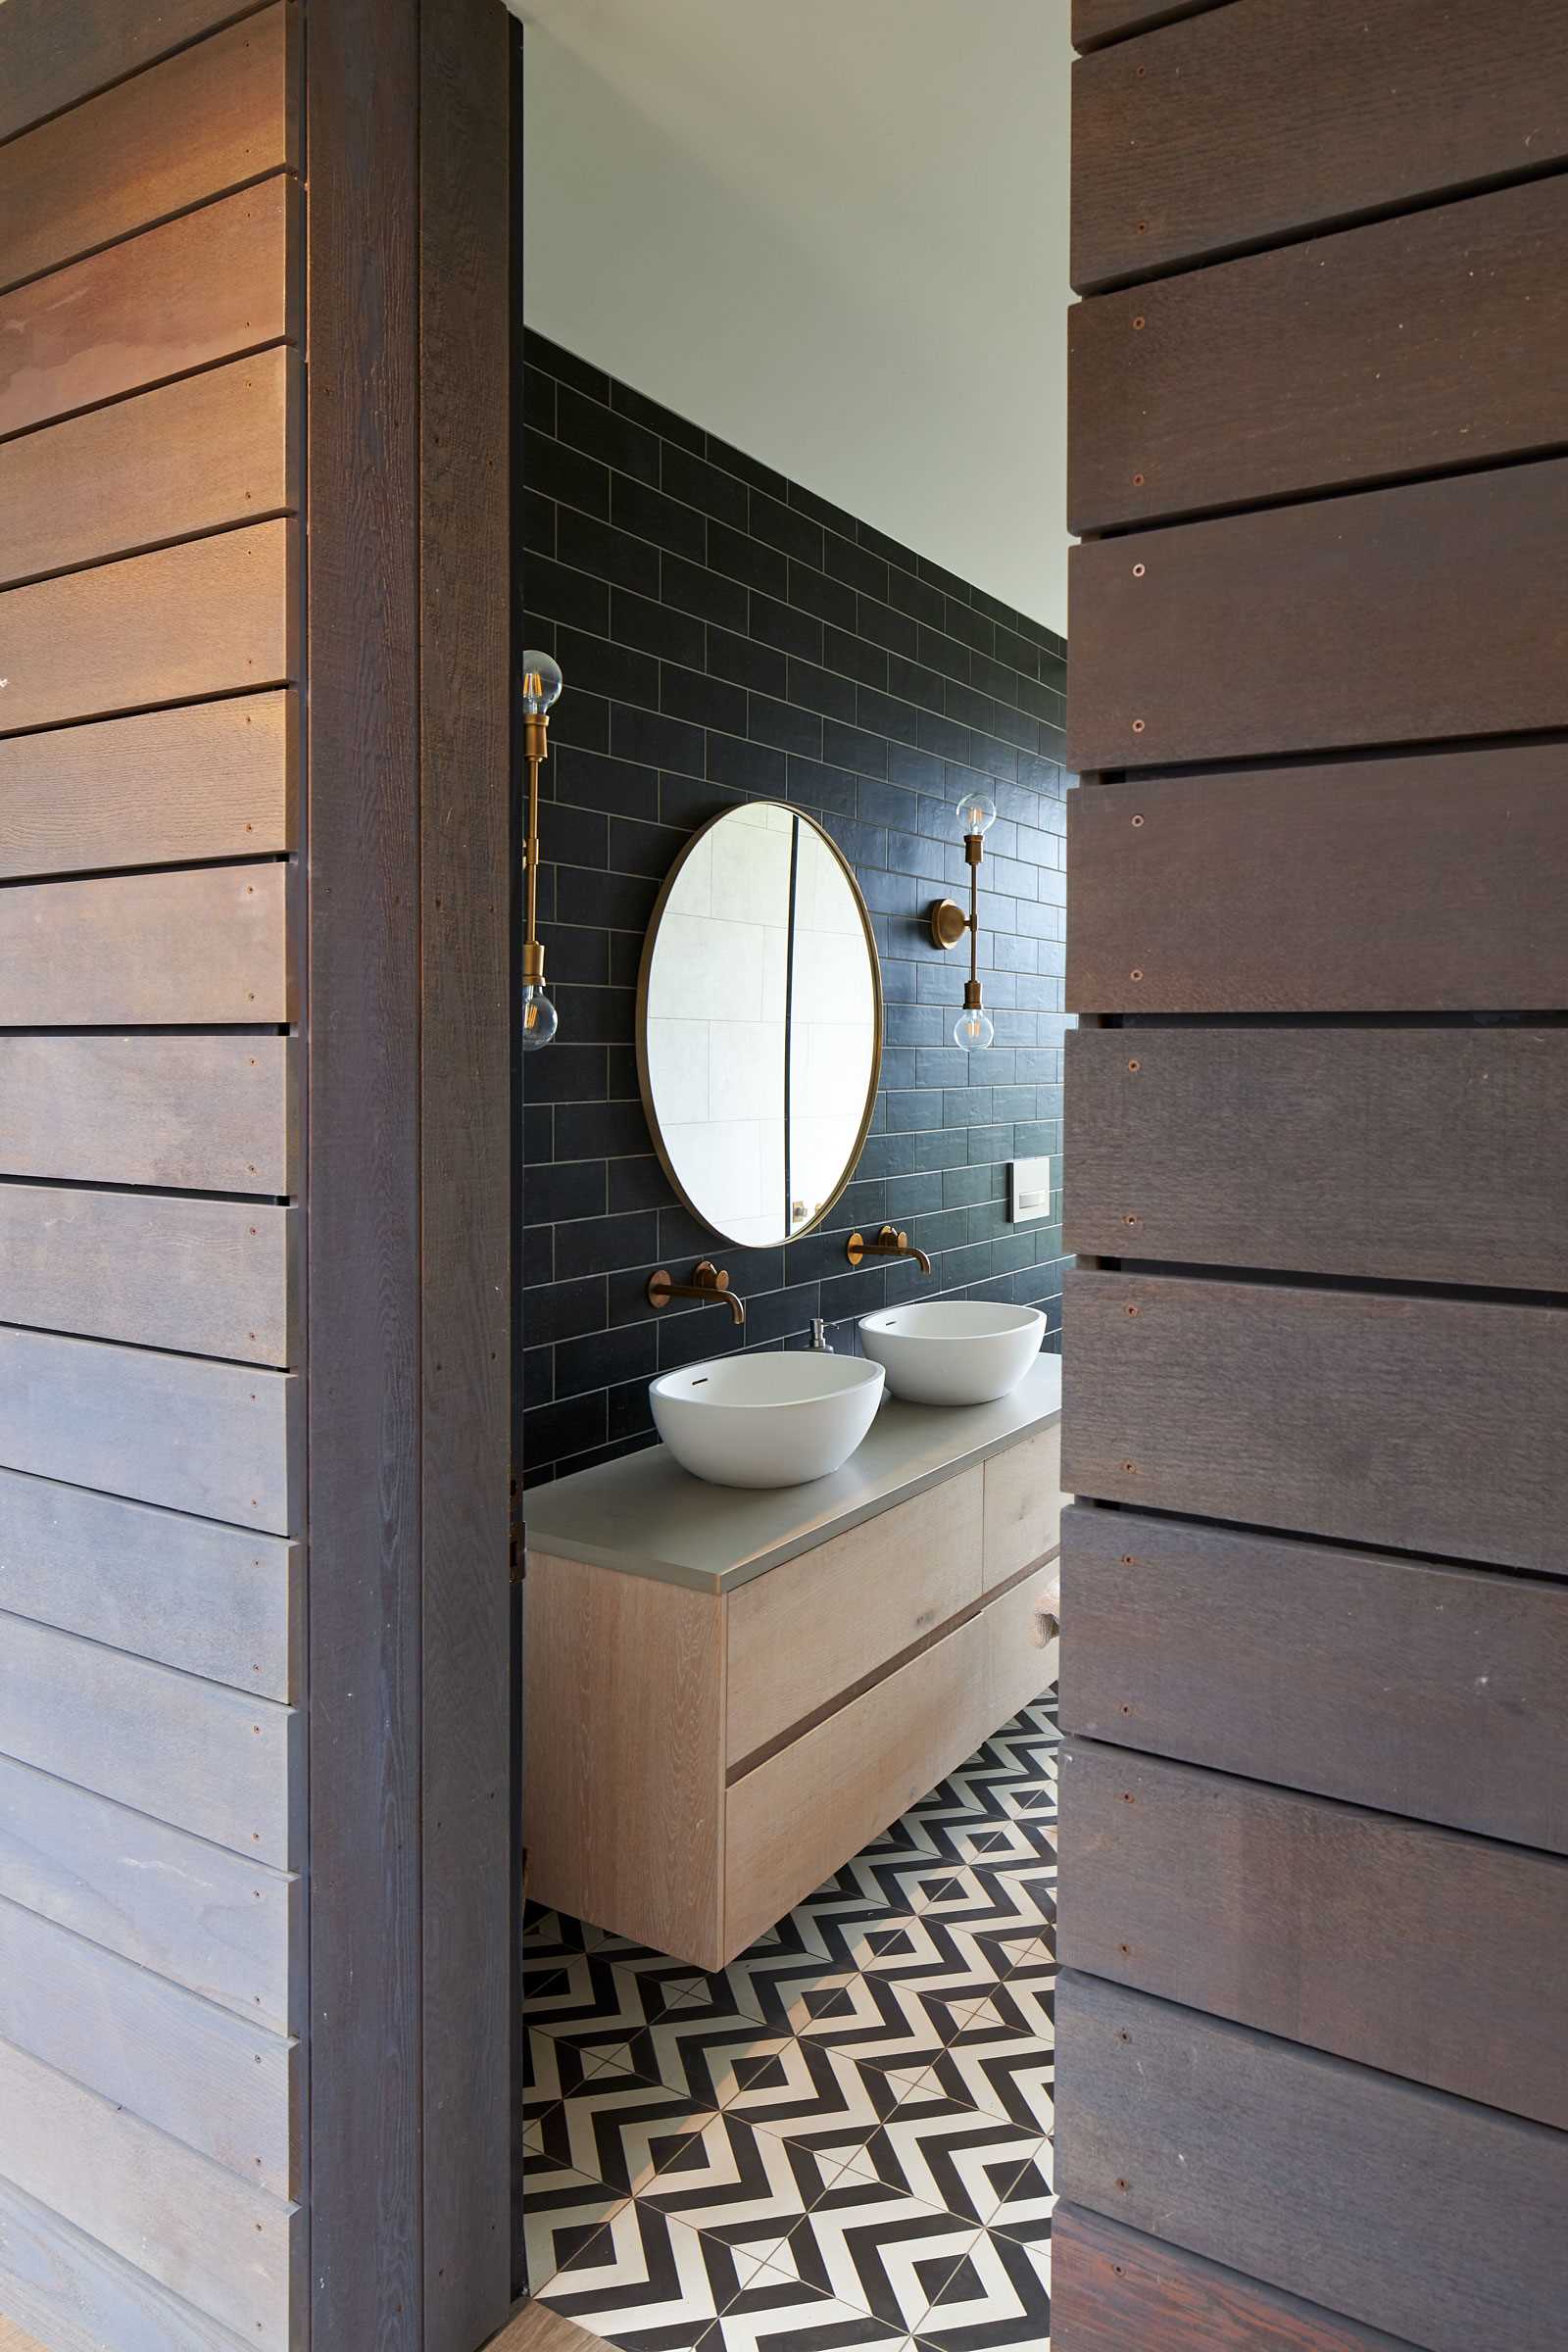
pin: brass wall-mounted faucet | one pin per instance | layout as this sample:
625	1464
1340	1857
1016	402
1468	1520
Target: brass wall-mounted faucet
889	1241
706	1283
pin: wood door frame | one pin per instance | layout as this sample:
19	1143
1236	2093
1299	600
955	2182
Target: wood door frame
409	1171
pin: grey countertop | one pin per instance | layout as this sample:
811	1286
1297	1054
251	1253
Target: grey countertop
647	1517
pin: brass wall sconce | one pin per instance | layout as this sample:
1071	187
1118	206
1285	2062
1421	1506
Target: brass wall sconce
973	1028
707	1282
886	1242
541	691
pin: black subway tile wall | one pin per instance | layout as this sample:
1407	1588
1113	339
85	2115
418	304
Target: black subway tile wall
727	636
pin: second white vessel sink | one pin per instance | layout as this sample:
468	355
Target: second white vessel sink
954	1352
766	1420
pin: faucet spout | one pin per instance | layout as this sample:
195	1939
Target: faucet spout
708	1282
887	1242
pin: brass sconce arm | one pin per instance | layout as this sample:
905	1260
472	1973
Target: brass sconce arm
708	1282
540	688
948	922
887	1242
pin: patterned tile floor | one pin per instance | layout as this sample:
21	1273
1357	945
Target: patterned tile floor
844	2139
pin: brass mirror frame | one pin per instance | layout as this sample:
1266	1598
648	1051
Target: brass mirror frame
650	940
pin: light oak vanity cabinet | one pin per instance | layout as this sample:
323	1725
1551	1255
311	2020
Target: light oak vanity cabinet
729	1693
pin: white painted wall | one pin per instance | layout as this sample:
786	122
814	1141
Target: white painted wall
835	233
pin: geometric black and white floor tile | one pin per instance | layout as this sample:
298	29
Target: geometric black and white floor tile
844	2139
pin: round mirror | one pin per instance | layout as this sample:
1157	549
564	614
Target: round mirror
759	1024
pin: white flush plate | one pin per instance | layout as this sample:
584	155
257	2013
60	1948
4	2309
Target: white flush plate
1028	1190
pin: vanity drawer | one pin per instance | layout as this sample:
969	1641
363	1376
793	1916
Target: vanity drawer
1020	1653
791	1822
807	1632
1023	1505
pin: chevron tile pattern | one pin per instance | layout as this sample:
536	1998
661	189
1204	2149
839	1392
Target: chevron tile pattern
844	2139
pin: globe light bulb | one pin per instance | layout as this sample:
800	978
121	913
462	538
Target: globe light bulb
977	813
540	1019
541	684
973	1029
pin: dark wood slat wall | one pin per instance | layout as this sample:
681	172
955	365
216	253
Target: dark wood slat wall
51	53
1347	892
1315	1591
408	1179
1274	1657
1094	23
1113	2289
466	864
255	829
1330	2181
1263	120
1298	1883
1341	390
152	1673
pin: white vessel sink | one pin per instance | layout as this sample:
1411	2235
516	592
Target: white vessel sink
957	1351
766	1420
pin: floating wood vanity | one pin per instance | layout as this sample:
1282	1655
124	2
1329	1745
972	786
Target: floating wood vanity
730	1693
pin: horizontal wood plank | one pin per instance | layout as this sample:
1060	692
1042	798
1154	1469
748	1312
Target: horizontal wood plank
213	450
1097	21
215	1438
1360	1151
207	1277
192	1753
201	946
1425	884
52	60
1111	2289
1401	1684
225	2245
1377	596
212	1600
75	2296
1416	1950
199	1113
1346	381
198	289
1328	2181
211	780
220	1923
1263	119
198	125
227	2090
1424	1424
212	617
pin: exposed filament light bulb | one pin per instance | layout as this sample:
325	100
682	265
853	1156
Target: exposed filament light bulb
973	1029
977	813
540	1019
542	682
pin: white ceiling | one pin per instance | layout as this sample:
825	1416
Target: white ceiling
833	233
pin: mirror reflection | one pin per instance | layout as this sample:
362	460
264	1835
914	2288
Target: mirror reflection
760	1041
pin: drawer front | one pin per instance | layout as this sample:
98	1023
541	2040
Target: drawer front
1021	1643
805	1633
1023	1505
792	1822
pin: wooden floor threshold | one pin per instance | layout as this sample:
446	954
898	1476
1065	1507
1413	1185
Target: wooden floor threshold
535	2329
